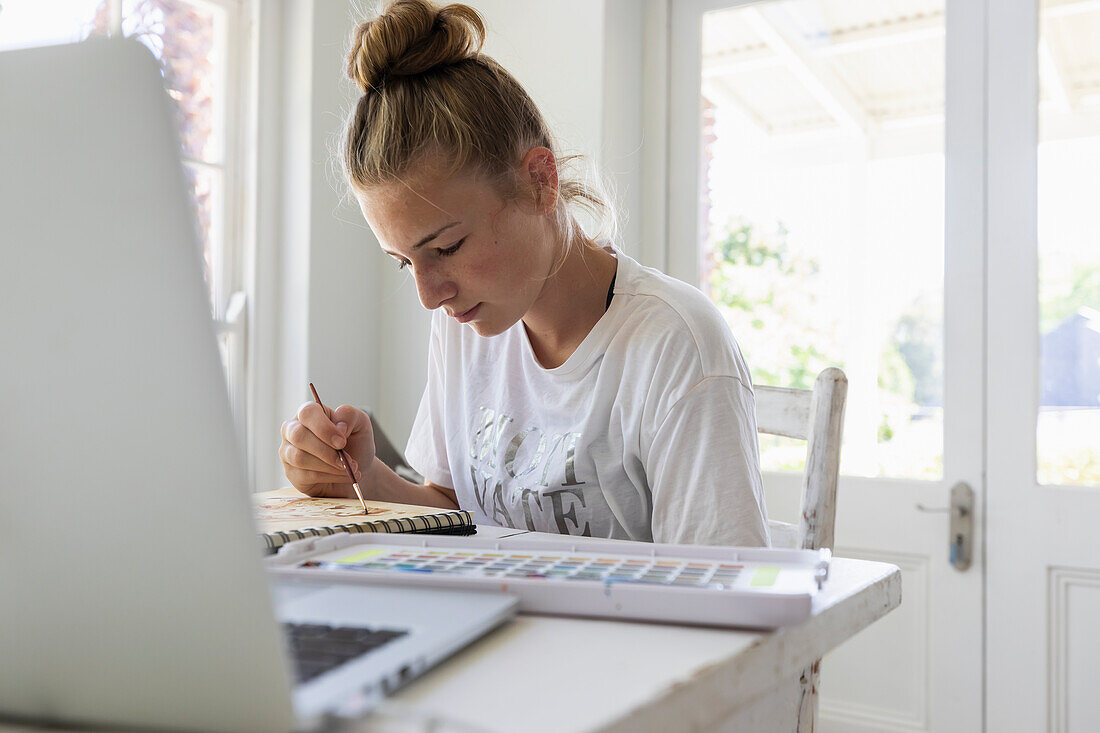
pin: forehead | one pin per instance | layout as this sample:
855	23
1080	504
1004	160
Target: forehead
401	212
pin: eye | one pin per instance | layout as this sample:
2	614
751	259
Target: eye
402	264
448	251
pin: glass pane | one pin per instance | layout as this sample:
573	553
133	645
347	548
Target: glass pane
824	213
189	41
1068	425
206	190
26	23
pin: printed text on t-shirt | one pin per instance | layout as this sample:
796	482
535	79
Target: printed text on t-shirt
506	491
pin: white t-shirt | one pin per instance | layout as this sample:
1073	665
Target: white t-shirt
646	432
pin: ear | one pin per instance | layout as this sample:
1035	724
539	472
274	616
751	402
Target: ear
539	169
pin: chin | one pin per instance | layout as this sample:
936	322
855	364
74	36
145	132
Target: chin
486	329
490	327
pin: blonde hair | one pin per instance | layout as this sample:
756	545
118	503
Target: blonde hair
428	90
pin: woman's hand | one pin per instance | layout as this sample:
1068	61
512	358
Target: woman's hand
310	441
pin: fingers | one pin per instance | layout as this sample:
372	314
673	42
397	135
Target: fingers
353	418
317	484
302	448
314	418
310	445
305	459
309	474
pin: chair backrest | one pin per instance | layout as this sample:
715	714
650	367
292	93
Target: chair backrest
816	416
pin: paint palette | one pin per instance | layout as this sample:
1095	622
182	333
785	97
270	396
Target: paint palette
553	567
744	587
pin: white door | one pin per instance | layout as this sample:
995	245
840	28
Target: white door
826	186
1043	450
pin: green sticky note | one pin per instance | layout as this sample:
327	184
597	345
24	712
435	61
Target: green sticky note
764	576
353	559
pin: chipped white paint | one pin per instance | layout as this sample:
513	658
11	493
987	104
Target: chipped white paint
543	673
816	416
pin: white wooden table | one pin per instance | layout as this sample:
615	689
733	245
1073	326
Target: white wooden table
542	673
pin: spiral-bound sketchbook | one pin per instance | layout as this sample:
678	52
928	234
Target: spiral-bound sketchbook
286	515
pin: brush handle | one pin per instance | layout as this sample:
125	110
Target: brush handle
344	460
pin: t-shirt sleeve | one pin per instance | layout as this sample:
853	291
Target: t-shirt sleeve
426	450
704	469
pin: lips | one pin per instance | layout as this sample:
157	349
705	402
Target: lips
468	316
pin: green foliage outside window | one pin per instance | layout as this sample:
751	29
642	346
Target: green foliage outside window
774	299
771	296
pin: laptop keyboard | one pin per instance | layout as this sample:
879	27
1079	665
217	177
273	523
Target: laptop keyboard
317	648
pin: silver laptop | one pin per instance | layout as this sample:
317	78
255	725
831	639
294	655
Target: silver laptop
131	586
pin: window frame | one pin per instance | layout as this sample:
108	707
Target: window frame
233	247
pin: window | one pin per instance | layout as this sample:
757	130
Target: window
200	45
822	213
1068	422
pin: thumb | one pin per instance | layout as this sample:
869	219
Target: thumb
350	420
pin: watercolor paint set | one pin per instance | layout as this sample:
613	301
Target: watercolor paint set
684	584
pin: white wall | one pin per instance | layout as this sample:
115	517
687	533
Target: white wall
348	320
316	307
343	261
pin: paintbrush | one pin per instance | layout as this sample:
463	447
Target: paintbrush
343	456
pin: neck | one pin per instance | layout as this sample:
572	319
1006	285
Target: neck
570	304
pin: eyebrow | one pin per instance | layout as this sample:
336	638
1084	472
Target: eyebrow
426	239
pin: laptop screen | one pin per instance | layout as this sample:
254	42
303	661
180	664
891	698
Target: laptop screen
132	586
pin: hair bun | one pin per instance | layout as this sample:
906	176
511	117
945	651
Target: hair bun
412	37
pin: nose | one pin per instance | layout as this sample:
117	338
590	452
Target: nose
433	287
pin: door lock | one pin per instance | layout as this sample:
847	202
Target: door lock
961	528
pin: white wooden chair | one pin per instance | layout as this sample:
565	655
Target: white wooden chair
816	416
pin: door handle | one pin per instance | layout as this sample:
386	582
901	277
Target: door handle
961	528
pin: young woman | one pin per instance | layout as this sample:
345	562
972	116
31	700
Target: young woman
570	389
